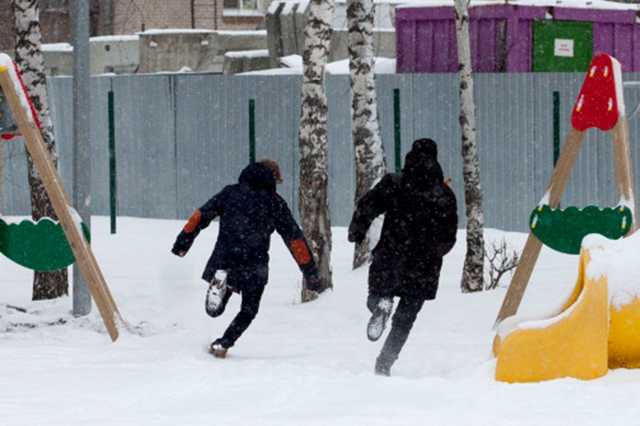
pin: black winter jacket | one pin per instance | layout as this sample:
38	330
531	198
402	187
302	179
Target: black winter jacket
419	228
249	212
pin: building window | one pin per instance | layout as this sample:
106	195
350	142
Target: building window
242	8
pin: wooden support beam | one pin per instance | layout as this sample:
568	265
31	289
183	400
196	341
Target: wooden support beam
532	248
623	167
622	161
52	183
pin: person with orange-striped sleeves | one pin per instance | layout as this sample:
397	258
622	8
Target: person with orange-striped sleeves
249	211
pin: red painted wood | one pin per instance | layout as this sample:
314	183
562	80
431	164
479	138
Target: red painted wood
597	103
8	136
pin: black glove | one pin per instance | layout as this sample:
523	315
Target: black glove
182	245
355	235
314	283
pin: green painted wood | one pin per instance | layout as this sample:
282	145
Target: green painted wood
564	229
556	127
548	35
397	138
113	181
40	246
252	130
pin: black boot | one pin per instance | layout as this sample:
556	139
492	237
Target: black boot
218	348
403	320
383	368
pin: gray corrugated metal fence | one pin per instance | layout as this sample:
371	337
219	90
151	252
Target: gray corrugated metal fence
181	138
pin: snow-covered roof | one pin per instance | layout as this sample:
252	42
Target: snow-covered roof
116	38
578	4
164	31
242	32
293	65
261	53
274	71
292	61
382	66
379	1
57	47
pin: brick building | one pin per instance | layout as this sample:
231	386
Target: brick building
54	19
131	16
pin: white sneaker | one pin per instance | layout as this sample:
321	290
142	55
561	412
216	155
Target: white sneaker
214	302
218	350
379	318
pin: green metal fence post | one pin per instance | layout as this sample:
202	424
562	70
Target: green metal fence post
113	184
396	130
556	127
252	130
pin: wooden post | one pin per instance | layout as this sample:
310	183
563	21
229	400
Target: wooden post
533	246
622	161
52	183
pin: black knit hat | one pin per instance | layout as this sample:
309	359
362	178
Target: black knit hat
426	147
421	166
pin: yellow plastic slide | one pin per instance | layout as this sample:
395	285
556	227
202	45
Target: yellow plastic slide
572	344
624	335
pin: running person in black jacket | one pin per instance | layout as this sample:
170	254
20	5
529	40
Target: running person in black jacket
419	228
249	212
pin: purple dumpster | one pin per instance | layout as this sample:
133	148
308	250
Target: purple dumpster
521	36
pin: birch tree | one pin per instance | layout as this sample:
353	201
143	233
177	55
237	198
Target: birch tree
365	130
314	200
472	274
30	61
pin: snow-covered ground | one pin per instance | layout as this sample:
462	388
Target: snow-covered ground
297	364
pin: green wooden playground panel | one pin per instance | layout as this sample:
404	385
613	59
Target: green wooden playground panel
40	246
564	229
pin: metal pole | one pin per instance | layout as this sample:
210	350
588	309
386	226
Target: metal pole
113	183
252	130
193	13
81	140
556	127
396	130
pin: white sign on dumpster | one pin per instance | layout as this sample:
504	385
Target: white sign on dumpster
563	47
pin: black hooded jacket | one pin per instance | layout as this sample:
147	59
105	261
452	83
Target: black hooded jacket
419	227
249	212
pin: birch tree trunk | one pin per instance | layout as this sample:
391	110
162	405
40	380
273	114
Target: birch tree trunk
314	201
30	61
365	130
472	274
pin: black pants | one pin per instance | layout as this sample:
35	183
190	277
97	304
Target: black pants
402	322
250	283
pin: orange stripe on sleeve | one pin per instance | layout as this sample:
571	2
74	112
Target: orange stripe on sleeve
193	222
300	252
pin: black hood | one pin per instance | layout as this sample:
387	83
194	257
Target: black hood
258	177
421	168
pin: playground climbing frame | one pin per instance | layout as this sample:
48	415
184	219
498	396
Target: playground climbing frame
28	128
